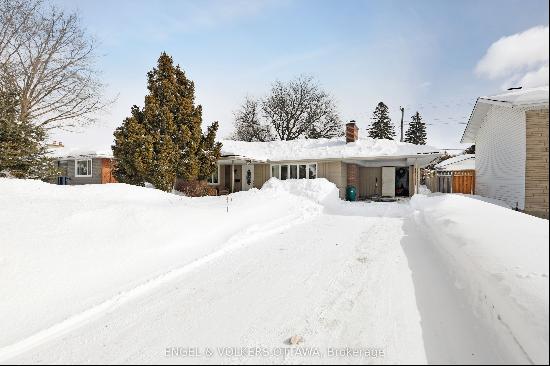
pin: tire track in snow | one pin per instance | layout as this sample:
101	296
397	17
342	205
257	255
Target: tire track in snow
237	241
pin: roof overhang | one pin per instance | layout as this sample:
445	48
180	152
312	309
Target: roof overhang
480	110
83	156
421	159
474	123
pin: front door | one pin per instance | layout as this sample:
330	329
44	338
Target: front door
248	177
388	181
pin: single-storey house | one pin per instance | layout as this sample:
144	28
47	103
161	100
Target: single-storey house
83	166
376	168
453	175
510	131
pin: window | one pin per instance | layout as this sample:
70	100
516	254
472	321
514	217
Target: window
294	171
83	168
215	177
312	168
275	171
284	172
302	172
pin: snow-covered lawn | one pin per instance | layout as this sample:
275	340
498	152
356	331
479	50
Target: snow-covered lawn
115	273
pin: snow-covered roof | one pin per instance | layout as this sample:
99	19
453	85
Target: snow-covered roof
459	162
523	98
519	97
81	152
318	149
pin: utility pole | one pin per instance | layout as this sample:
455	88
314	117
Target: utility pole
402	114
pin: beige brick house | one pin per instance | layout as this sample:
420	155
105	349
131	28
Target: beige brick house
376	168
510	131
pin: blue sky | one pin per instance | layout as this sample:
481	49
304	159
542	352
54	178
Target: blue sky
419	54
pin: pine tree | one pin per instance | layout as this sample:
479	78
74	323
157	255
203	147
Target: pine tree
168	130
133	150
209	152
23	151
416	133
381	127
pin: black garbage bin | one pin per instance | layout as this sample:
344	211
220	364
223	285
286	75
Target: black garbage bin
63	181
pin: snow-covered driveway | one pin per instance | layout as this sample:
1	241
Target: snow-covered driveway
336	289
363	278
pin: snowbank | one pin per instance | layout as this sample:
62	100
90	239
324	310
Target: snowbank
318	149
499	258
66	249
318	190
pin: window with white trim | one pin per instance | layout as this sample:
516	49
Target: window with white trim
294	171
83	168
214	179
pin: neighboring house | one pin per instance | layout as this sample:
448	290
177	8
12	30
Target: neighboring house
510	131
84	166
454	175
376	168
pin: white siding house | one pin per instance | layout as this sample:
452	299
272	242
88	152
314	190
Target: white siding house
499	154
510	131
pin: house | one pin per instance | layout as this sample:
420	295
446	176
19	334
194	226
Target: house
83	166
376	168
510	131
454	175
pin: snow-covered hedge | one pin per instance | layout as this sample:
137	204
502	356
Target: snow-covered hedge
499	258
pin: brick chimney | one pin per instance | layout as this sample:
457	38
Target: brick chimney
352	132
352	135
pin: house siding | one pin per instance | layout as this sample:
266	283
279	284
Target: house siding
261	174
500	156
536	164
335	172
68	169
370	182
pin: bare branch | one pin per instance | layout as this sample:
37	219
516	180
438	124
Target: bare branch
53	62
300	108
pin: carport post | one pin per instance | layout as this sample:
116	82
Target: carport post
232	177
416	177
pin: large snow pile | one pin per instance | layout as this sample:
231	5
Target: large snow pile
318	190
499	258
334	148
65	249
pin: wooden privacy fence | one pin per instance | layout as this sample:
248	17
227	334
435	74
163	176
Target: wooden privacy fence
464	181
461	181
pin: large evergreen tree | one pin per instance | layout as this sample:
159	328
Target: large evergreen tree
470	150
381	127
164	140
133	149
416	133
23	152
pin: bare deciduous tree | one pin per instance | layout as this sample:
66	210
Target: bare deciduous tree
300	108
292	110
52	61
248	126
